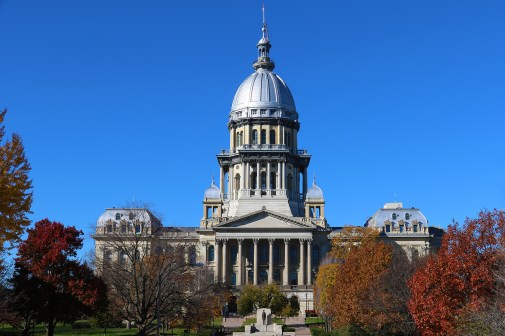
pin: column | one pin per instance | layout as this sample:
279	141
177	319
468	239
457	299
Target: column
225	268
301	271
242	176
205	251
258	181
217	262
309	262
221	180
283	175
304	182
285	280
271	261
248	172
240	271
268	177
230	182
255	262
278	179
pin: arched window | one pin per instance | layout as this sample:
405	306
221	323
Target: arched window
237	182
131	216
255	137
272	137
118	216
407	216
211	253
263	136
395	216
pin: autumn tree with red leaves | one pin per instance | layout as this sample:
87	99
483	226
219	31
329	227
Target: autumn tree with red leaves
461	279
66	287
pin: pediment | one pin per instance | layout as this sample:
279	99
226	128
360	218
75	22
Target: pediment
263	220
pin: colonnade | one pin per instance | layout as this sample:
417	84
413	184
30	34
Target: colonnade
243	265
276	176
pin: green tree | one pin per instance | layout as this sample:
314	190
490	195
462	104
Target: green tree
15	188
265	296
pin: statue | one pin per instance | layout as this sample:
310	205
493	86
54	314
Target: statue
264	317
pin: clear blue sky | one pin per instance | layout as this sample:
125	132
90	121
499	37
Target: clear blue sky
121	99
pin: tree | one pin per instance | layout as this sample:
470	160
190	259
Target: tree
324	283
363	259
460	279
264	296
15	186
151	278
65	288
389	295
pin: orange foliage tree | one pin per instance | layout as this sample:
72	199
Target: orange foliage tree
15	188
362	259
460	278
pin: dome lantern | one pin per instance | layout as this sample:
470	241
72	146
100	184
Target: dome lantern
264	61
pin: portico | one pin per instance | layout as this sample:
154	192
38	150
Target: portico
243	260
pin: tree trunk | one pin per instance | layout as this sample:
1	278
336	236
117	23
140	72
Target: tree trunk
142	330
50	328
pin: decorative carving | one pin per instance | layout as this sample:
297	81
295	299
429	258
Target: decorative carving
240	241
309	241
256	241
271	241
286	241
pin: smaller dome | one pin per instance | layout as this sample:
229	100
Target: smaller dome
212	192
314	192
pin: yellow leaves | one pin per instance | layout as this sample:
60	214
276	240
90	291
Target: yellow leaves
15	187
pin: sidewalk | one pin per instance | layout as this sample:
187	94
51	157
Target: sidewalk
298	323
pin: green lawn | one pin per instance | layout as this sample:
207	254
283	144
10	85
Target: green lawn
252	320
67	330
311	320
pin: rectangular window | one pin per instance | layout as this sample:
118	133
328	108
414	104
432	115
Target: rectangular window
415	228
388	228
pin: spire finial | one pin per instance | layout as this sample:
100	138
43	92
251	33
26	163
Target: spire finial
212	178
264	61
314	180
264	29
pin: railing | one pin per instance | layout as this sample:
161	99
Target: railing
272	147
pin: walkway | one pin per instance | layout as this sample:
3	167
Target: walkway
298	323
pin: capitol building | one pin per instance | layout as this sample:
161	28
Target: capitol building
263	221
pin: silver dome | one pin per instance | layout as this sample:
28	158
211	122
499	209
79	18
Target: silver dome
315	192
263	90
212	192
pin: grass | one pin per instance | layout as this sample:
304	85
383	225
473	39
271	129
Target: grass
251	320
314	320
66	330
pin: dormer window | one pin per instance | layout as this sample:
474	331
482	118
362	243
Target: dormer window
118	216
388	228
395	216
263	112
407	216
109	228
131	216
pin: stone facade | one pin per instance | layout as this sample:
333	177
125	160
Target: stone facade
262	223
